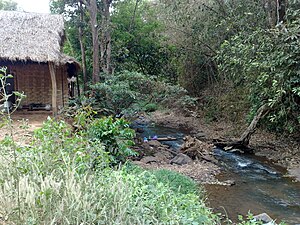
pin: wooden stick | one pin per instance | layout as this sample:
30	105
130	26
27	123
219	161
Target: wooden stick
166	139
54	88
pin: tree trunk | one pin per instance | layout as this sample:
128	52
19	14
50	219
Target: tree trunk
105	44
282	5
271	10
261	113
131	26
82	48
54	88
243	141
93	10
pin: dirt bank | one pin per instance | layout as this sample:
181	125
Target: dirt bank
282	151
155	155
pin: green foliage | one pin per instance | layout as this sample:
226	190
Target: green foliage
177	182
129	92
56	141
150	107
114	95
249	220
83	116
266	63
8	5
115	135
58	185
137	39
226	102
110	197
137	43
198	28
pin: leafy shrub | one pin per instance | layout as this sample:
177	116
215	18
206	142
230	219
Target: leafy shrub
115	135
114	96
177	182
266	63
82	117
128	92
56	141
249	220
150	107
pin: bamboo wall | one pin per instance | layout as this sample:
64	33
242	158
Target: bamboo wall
34	80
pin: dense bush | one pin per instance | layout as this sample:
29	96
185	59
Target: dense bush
56	144
115	135
266	62
129	92
177	182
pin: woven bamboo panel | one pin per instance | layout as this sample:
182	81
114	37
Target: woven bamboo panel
34	80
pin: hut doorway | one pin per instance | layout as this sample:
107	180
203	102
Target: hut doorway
10	88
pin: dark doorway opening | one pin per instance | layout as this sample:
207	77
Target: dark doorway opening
10	88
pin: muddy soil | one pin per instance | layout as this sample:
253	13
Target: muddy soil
283	151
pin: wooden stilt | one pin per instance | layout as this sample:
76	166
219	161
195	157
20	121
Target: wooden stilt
54	88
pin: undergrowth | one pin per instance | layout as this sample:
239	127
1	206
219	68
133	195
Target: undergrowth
130	92
65	178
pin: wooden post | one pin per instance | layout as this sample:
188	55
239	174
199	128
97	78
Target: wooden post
54	88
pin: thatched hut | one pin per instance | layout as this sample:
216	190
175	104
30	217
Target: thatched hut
30	47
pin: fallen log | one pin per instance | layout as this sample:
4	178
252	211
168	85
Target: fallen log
166	139
243	142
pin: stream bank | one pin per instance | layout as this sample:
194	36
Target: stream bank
155	154
249	182
282	151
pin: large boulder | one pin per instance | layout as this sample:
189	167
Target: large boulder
264	218
149	159
181	159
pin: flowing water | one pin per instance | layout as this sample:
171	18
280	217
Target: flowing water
259	185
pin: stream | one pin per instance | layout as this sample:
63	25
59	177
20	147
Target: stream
260	187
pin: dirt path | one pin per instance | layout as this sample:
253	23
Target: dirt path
24	123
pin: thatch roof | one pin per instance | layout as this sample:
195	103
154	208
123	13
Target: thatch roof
31	37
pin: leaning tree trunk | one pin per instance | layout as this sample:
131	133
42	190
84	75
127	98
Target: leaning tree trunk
261	113
243	141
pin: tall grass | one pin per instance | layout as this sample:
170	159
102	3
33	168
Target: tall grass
59	184
107	197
